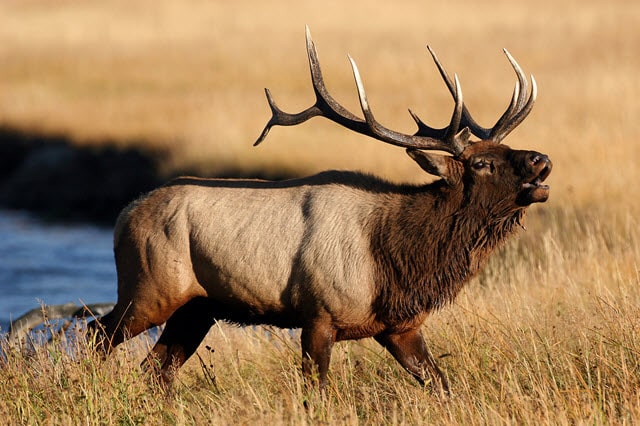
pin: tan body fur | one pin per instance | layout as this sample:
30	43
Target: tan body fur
279	248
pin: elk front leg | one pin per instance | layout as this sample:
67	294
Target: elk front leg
410	350
182	334
317	341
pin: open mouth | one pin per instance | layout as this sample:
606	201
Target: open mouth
537	181
535	191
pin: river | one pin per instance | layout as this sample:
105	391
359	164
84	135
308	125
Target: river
49	263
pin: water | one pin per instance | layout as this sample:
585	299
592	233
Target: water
52	264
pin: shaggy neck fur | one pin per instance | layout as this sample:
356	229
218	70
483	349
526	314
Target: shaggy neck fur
428	243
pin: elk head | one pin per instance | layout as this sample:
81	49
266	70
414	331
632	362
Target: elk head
510	177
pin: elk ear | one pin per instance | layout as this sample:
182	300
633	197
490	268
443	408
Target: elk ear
435	164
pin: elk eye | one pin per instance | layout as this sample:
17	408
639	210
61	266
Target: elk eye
481	164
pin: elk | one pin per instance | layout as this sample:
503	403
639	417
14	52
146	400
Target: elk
341	255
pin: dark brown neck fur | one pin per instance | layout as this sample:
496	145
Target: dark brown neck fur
427	243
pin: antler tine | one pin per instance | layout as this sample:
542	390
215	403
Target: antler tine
508	114
466	120
456	118
518	110
281	118
518	117
336	111
522	79
448	132
426	130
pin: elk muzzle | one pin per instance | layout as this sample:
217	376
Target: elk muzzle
537	168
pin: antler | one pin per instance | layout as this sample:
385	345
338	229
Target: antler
448	139
517	111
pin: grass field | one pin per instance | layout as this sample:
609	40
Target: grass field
549	333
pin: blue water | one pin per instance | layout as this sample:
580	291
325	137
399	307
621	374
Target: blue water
52	264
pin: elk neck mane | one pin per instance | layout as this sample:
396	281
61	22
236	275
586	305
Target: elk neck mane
427	242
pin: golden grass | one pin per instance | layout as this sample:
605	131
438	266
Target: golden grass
546	335
549	333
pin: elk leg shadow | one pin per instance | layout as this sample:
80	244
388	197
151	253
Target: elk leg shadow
410	350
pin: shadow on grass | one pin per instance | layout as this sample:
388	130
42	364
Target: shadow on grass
50	175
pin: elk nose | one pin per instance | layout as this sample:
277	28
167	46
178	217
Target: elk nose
538	164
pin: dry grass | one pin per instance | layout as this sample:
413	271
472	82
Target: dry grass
548	334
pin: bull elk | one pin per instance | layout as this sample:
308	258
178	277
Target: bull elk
341	255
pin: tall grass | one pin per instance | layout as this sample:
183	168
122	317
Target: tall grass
548	333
